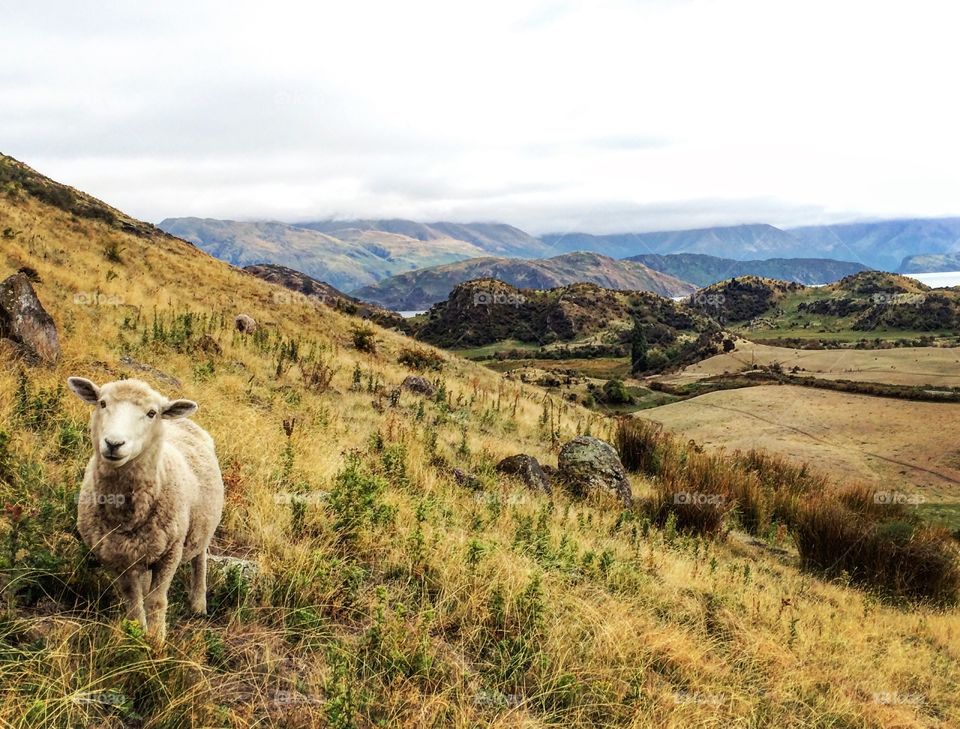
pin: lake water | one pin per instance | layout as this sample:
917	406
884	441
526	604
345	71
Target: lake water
408	314
937	280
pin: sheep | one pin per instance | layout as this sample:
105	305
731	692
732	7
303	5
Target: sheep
152	495
245	324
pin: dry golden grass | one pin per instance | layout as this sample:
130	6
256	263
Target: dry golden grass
460	608
937	366
896	444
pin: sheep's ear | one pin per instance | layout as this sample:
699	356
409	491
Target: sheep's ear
84	389
179	409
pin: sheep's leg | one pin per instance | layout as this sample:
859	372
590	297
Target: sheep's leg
130	583
145	581
156	601
198	584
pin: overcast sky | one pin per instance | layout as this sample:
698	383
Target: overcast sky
553	116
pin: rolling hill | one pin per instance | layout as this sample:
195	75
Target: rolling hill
569	322
373	567
870	301
703	270
421	289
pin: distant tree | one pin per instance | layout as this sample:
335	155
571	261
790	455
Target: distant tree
638	349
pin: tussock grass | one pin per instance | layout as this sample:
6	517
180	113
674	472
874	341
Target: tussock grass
387	593
839	530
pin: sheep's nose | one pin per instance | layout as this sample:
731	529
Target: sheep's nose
113	444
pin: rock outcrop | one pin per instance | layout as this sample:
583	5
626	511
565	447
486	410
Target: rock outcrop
24	321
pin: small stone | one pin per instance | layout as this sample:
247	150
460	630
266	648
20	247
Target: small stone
527	469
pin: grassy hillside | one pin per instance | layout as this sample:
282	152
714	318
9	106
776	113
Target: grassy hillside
421	289
387	593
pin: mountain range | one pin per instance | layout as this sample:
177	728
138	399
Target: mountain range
703	270
882	245
354	255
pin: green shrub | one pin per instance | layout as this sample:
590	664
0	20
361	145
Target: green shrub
420	359
363	339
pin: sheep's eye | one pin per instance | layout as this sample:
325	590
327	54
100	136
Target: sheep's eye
103	403
151	413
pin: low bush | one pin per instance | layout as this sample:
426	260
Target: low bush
899	555
420	359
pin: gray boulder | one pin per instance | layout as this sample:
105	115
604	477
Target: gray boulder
24	321
588	464
527	469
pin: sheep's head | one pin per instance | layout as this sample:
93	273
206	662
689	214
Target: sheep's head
127	416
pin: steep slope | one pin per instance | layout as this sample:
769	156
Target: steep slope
355	258
420	289
704	270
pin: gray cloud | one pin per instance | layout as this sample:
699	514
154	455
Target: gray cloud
551	116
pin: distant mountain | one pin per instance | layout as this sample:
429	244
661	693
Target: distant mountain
738	242
704	270
323	293
420	289
355	257
880	245
490	238
930	263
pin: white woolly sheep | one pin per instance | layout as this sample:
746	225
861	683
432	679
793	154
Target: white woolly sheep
152	495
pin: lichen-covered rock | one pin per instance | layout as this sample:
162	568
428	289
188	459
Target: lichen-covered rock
527	469
232	580
245	324
24	320
587	464
419	385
